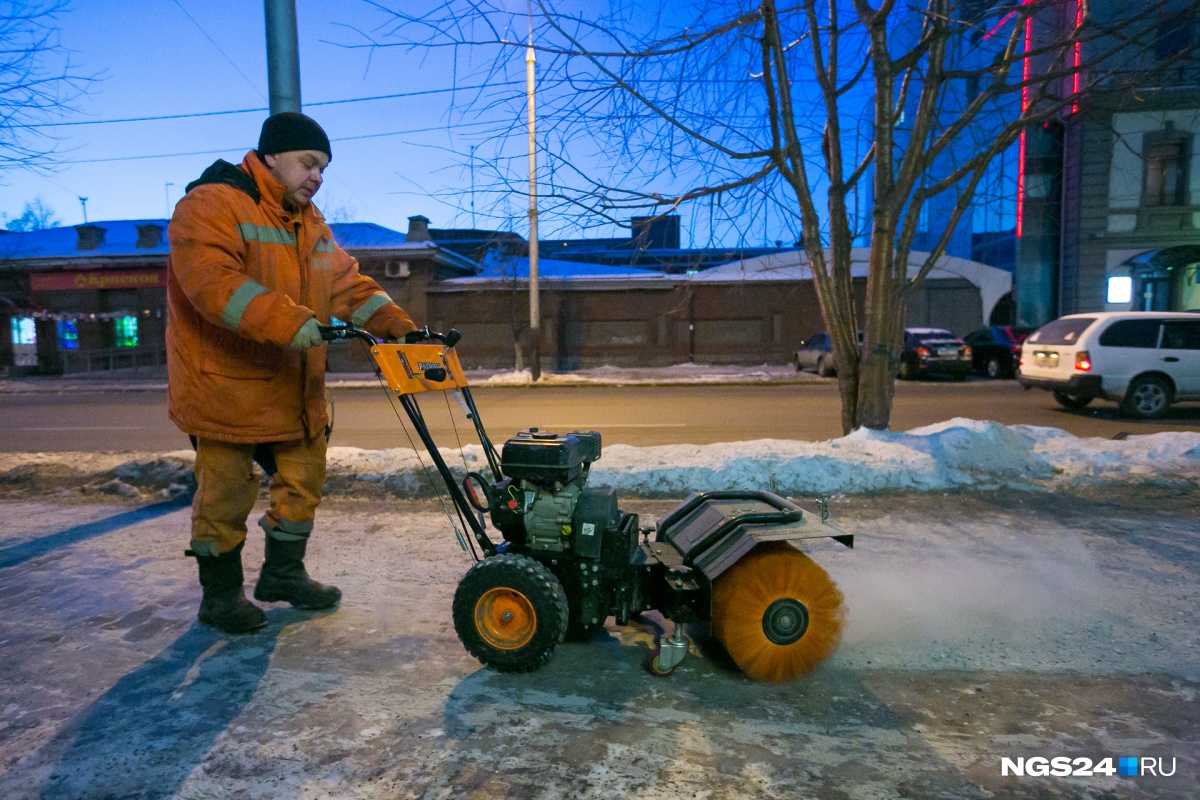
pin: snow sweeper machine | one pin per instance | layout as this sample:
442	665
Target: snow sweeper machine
569	558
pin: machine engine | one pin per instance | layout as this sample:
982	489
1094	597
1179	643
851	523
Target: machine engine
544	508
544	503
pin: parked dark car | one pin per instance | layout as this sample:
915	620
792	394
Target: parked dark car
816	353
995	350
933	351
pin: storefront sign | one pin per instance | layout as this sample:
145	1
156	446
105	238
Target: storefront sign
96	279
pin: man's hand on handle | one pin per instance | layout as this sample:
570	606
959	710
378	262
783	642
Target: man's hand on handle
308	336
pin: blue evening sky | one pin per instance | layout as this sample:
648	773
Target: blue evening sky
164	57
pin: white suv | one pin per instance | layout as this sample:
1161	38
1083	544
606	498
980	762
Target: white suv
1144	360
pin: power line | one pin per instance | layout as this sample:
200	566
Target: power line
241	148
253	85
263	108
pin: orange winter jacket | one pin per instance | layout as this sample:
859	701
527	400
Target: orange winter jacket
243	276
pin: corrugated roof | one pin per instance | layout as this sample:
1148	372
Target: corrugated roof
993	282
369	236
499	267
120	239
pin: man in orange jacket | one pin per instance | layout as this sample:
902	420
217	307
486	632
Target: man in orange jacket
253	271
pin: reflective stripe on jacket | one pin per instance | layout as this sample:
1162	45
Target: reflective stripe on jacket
243	276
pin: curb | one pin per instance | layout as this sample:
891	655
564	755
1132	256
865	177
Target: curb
62	386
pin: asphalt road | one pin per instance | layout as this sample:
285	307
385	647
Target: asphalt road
637	415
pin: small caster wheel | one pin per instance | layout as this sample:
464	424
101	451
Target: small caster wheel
654	665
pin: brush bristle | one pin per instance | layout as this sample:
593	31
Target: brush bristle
741	595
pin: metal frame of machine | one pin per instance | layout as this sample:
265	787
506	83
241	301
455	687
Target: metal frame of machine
570	558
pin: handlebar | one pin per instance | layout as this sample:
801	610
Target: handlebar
333	332
449	338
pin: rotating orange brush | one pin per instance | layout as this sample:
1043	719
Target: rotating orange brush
777	613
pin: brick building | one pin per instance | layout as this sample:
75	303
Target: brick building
93	297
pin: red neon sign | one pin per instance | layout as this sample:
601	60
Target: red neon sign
1078	56
1021	150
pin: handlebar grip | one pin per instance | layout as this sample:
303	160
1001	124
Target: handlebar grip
418	335
331	333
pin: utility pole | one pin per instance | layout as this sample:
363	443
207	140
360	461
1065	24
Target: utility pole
83	202
535	333
283	55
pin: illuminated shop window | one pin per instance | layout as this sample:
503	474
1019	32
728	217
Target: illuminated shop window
23	330
1120	289
68	335
127	334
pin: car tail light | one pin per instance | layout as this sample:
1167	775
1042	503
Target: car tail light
1083	362
921	352
966	352
1021	361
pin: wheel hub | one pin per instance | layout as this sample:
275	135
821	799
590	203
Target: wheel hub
785	621
505	618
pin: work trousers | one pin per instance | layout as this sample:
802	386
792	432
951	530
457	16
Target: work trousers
226	488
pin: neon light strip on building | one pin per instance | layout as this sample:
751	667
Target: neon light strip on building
1075	80
1024	107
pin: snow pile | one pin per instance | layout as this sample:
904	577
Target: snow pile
656	376
959	453
956	454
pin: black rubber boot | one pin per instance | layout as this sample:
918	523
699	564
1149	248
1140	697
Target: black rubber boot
283	578
224	605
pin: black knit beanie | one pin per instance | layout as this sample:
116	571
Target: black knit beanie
289	130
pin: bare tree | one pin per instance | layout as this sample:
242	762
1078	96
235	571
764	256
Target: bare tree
38	81
336	210
750	108
36	216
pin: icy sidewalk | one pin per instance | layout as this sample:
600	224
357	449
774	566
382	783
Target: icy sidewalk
956	454
983	625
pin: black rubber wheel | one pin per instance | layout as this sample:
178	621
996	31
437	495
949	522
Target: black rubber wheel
906	370
796	362
1148	397
823	369
510	612
994	368
1071	402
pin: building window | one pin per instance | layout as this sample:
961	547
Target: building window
24	331
1166	170
68	335
127	331
1175	35
1120	289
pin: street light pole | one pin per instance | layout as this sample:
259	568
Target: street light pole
535	333
83	202
283	55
